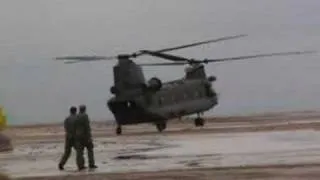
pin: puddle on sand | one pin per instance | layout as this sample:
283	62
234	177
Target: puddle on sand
135	156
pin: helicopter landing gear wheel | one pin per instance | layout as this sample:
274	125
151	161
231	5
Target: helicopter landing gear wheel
161	126
119	130
199	122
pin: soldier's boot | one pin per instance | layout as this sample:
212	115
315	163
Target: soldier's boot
91	159
80	163
80	158
82	168
89	147
64	158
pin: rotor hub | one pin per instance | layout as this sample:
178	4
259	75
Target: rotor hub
124	56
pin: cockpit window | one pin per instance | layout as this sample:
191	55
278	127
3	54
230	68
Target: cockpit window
209	91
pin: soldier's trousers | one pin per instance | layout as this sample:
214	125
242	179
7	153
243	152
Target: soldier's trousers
69	143
80	146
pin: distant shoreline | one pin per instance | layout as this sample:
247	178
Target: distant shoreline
258	116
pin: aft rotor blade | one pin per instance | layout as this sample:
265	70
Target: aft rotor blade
258	55
85	58
165	64
165	56
200	43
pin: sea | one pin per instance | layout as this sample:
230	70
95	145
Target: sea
34	88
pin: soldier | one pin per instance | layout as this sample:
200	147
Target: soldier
84	139
69	127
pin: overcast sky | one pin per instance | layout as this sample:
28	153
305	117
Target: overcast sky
34	88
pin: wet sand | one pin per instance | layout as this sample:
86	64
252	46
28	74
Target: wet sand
271	172
269	146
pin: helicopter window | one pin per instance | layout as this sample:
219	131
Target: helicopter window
130	104
185	95
196	94
200	93
160	101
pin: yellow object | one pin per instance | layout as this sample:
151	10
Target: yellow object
4	176
3	119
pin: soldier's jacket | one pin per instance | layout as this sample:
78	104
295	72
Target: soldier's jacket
69	126
83	129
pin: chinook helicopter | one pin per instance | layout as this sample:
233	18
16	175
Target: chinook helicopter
136	100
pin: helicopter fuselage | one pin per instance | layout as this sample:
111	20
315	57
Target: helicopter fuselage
173	100
137	101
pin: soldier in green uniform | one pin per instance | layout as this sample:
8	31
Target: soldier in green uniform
84	139
69	127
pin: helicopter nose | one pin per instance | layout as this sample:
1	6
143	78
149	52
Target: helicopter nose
212	78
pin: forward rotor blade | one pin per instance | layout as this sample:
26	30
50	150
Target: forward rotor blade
85	58
139	53
165	64
200	43
165	56
142	52
258	55
75	61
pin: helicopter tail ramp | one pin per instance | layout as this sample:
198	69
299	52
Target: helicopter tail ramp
5	142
